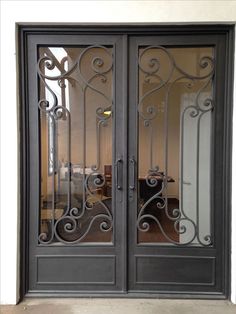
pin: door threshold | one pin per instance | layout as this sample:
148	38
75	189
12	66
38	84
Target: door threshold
131	295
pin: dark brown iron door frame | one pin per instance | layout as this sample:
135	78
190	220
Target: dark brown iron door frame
219	36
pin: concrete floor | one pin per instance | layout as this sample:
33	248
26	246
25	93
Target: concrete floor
119	306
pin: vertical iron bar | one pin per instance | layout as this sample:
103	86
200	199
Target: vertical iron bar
98	129
52	120
182	162
84	144
151	145
69	156
197	178
166	134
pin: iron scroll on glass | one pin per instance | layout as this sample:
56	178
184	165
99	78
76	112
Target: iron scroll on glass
76	101
175	107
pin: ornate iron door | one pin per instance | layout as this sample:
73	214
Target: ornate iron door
76	215
173	152
125	145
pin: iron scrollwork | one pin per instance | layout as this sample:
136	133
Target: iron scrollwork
69	222
149	68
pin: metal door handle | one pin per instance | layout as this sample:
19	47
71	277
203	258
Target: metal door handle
119	169
132	173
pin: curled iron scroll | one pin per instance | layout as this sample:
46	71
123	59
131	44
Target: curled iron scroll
151	71
69	221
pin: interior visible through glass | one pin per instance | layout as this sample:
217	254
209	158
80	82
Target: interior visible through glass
76	101
175	108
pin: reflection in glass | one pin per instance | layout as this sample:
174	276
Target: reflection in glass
175	112
76	144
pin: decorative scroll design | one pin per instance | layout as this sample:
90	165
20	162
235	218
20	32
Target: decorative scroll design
67	228
149	68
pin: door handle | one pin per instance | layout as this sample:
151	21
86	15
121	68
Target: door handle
119	163
132	173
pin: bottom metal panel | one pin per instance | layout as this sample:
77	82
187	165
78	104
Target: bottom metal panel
81	270
175	270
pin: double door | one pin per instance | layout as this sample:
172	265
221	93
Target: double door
124	137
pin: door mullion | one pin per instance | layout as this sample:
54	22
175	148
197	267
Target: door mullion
132	158
125	177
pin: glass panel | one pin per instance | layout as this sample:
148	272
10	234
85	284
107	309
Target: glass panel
175	124
76	144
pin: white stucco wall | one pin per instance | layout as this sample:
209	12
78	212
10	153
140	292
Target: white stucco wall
77	12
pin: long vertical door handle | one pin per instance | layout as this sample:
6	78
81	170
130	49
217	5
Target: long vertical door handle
119	169
132	173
